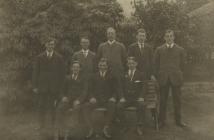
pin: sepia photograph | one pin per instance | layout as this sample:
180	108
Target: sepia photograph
106	69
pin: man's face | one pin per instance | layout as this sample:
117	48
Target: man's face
50	46
84	43
75	68
103	66
131	64
141	37
111	34
169	37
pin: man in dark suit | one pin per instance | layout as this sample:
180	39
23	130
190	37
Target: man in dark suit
143	53
102	93
169	62
114	51
73	95
133	93
48	75
85	57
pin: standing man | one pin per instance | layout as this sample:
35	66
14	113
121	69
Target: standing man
114	51
48	76
85	57
169	62
143	53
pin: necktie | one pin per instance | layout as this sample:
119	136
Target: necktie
85	54
131	74
49	55
141	47
74	76
103	74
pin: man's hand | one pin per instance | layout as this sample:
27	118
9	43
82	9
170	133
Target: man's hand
76	103
153	78
93	100
35	90
140	99
112	99
122	100
65	99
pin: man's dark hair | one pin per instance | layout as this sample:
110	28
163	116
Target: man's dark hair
103	60
111	28
75	62
131	58
141	30
84	37
50	38
169	31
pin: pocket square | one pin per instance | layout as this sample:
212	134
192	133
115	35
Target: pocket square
137	81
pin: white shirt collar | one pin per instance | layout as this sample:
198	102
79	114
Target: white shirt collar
85	51
49	54
75	76
103	73
111	42
131	73
132	70
141	44
170	46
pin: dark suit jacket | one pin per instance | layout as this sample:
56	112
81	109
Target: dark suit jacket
116	55
48	74
169	63
144	58
87	64
133	89
75	89
103	88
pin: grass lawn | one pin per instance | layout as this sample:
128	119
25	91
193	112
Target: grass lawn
198	112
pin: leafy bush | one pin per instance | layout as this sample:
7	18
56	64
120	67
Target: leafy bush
27	23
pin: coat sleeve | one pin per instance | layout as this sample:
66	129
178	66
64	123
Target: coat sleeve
36	71
99	53
142	87
74	57
91	86
62	71
64	89
117	84
94	62
84	90
183	59
151	62
124	55
130	51
156	62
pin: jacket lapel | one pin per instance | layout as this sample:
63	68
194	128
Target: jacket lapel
134	76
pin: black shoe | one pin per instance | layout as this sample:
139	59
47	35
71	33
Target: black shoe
90	134
106	132
124	129
139	130
162	125
181	124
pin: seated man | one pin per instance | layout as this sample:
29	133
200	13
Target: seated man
102	93
133	93
73	95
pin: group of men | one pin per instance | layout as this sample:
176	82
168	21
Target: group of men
113	78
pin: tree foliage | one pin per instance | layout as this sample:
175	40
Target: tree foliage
28	23
25	25
157	16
